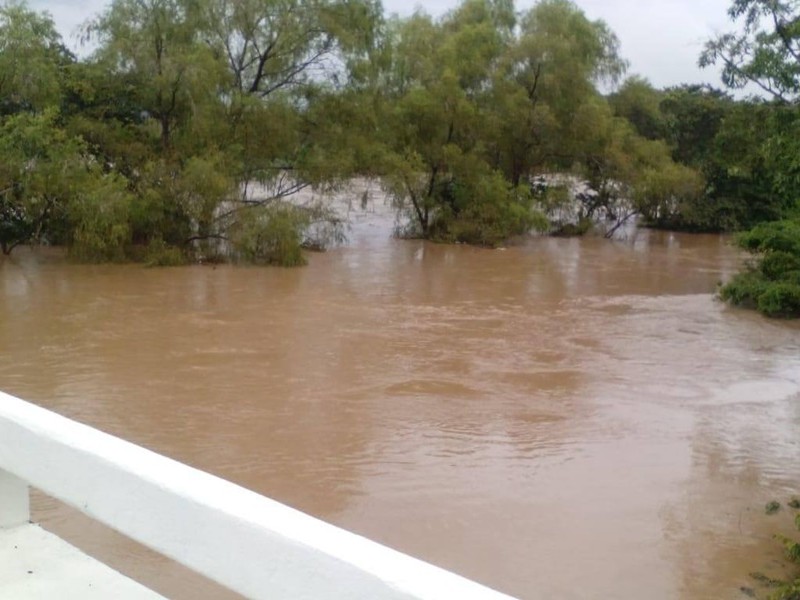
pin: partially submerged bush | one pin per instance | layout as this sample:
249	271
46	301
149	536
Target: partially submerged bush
486	212
100	220
781	589
744	289
772	284
271	235
772	237
780	300
160	254
582	227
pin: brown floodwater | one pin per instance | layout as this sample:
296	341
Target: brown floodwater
563	418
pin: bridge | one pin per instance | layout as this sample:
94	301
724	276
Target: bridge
246	542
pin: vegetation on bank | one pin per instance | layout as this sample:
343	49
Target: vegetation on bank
765	52
771	284
780	588
190	129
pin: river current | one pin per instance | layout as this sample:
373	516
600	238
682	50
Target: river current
561	418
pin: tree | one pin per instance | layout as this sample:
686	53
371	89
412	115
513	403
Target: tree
627	175
32	59
43	171
727	141
640	103
274	45
156	43
196	123
435	165
288	67
692	116
546	73
765	53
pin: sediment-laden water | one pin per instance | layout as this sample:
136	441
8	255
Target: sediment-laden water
564	418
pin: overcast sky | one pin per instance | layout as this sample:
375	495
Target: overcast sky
661	38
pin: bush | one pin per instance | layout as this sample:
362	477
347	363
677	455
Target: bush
777	264
100	222
782	589
780	300
772	286
159	254
582	227
484	211
781	236
744	289
271	235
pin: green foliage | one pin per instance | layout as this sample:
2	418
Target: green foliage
42	168
754	170
765	580
745	176
693	115
194	123
159	254
479	107
484	209
780	299
155	213
744	289
271	235
542	79
739	148
783	236
790	590
783	590
772	507
640	103
792	548
773	284
31	60
156	43
763	50
100	221
628	174
775	265
270	46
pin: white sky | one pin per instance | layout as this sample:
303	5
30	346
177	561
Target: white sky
661	38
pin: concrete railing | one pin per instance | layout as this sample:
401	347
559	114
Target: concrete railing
244	541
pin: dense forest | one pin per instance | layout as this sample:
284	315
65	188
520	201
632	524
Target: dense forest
189	127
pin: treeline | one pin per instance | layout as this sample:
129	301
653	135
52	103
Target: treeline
192	124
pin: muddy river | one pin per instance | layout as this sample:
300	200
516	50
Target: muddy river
561	418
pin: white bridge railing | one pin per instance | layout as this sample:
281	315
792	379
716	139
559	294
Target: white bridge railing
244	541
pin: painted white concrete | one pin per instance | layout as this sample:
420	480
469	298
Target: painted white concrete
244	541
35	564
14	501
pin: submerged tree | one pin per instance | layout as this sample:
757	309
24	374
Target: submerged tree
202	120
547	72
435	164
628	175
